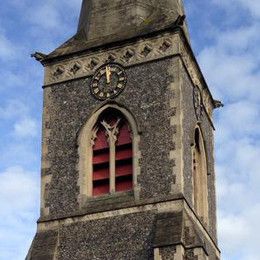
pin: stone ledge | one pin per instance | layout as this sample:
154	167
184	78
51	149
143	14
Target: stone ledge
135	53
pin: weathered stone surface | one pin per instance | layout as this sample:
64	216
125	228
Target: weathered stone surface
71	105
122	237
102	22
130	236
168	252
168	229
44	246
189	123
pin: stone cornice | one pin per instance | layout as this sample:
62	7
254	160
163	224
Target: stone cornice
130	54
139	52
171	205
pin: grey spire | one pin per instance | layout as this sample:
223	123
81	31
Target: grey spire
85	16
103	18
106	21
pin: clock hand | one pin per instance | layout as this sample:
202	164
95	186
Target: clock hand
108	74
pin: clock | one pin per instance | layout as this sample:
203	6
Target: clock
108	81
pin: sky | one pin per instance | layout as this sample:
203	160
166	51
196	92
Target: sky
225	38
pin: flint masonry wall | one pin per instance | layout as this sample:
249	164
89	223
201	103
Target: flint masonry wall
189	123
131	236
150	90
156	93
147	96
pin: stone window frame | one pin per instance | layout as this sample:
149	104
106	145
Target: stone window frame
85	143
200	177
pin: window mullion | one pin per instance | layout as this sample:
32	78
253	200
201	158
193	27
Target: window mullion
112	132
112	164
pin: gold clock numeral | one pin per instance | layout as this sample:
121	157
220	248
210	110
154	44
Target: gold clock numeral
95	90
120	86
121	79
108	74
101	94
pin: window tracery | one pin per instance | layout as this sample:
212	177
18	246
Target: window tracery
200	182
112	154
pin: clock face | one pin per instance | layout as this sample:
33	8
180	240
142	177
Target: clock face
108	81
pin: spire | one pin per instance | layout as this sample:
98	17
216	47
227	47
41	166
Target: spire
101	18
84	18
103	21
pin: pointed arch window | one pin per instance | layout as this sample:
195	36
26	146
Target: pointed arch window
200	182
112	154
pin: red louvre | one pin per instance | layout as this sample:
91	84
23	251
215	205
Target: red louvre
123	175
124	136
100	163
124	159
101	158
101	139
124	169
101	174
100	188
124	184
122	154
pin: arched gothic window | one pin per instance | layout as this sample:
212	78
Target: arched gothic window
112	154
200	183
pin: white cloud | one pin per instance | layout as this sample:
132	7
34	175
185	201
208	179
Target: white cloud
44	15
13	108
233	227
19	194
17	189
231	62
47	14
7	48
253	6
239	199
237	120
11	79
241	233
19	132
240	38
26	127
27	25
232	71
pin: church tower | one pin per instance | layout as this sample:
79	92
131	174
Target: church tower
127	148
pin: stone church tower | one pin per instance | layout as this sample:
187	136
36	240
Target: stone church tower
127	148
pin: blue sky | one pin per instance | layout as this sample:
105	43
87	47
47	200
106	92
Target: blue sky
225	38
